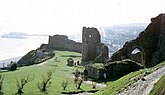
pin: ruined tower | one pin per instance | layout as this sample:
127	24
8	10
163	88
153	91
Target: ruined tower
92	48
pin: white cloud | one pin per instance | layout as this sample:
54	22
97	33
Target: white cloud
69	16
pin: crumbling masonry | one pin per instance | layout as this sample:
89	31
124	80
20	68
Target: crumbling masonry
92	48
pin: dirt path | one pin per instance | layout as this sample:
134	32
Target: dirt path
143	87
98	85
101	85
38	64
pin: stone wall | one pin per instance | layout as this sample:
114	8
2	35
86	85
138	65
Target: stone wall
121	68
95	72
151	42
91	47
61	42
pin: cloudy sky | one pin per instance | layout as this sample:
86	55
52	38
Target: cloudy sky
69	16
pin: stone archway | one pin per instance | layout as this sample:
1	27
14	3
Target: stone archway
142	53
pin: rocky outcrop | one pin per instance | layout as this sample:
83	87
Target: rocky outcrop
35	56
92	48
151	43
61	42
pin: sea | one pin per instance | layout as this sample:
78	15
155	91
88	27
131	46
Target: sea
12	49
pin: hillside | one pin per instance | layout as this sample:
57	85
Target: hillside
159	88
134	83
62	72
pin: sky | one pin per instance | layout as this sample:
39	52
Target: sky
69	16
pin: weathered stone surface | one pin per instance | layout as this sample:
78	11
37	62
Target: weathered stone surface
95	72
35	57
151	42
61	42
70	62
92	48
120	68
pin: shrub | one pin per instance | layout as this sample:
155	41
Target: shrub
13	66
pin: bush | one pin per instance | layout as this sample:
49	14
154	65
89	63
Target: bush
13	66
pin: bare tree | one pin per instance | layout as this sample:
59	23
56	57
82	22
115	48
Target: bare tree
22	82
1	83
45	83
64	84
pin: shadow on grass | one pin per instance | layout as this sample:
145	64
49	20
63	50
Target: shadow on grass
53	65
106	80
3	71
74	56
78	92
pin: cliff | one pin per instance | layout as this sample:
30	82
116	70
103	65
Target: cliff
150	42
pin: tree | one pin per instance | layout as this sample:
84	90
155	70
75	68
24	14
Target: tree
13	66
45	83
64	84
22	82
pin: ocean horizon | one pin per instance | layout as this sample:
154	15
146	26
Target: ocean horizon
15	48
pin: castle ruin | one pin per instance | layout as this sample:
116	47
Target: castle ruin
61	42
92	48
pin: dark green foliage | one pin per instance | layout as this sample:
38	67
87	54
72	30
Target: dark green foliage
13	66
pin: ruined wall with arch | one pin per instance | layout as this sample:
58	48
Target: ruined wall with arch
151	42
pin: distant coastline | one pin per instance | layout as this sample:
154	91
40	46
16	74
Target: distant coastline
7	61
21	35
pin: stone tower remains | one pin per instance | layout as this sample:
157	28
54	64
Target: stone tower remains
92	48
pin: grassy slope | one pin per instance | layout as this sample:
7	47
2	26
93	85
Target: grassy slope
62	72
114	87
159	87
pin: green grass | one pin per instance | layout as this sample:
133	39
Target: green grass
114	87
62	72
159	87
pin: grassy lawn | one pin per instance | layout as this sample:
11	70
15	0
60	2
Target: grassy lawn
61	72
159	87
